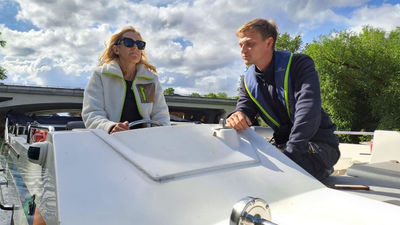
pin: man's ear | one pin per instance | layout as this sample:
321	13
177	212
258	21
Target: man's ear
115	49
270	41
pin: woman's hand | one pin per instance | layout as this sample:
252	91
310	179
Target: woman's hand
120	127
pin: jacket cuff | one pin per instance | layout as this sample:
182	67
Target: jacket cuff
109	127
300	147
293	152
239	110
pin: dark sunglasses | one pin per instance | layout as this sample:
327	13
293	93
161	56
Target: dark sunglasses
128	42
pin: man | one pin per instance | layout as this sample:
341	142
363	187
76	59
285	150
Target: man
283	88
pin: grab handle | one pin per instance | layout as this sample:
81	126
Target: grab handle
2	205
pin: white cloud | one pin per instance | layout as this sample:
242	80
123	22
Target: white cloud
71	34
32	53
344	3
386	17
310	14
2	3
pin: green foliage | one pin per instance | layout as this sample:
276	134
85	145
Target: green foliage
2	73
360	78
2	70
169	91
210	95
222	95
195	94
285	42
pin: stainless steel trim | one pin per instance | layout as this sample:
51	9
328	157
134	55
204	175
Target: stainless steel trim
249	211
354	132
2	205
137	122
222	122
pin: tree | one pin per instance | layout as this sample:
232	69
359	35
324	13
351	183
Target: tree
195	94
285	42
210	95
2	70
222	95
360	78
169	91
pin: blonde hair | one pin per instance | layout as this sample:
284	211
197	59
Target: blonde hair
262	26
108	54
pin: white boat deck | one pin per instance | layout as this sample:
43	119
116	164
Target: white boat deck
352	154
153	182
382	159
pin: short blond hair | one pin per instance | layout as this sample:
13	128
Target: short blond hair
108	54
262	26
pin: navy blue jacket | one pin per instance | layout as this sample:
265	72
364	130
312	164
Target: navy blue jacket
310	122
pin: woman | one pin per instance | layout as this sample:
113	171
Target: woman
124	87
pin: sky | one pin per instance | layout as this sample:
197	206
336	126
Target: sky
192	43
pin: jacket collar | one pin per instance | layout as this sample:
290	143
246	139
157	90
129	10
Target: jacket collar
113	69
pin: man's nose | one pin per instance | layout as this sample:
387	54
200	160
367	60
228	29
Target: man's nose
243	49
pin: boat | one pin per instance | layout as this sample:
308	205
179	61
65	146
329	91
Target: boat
198	174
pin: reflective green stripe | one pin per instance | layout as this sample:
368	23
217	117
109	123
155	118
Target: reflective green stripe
137	77
113	74
144	95
286	85
143	77
259	106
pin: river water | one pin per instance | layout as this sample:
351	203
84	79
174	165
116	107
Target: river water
8	198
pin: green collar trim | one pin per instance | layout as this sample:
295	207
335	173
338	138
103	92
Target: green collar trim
144	77
112	74
119	76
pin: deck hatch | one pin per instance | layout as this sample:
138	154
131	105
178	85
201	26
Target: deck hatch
165	153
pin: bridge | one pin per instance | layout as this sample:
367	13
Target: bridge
33	99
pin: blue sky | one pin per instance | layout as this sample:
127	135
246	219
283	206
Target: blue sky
192	43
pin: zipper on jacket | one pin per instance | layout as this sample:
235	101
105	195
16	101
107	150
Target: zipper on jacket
123	102
136	100
134	94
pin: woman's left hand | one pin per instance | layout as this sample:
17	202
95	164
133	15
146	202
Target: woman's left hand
120	127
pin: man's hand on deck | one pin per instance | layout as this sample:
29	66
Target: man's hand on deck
238	121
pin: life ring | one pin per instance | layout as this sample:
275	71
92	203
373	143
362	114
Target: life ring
39	135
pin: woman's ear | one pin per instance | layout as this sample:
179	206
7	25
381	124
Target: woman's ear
115	49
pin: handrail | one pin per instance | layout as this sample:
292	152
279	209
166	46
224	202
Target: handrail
137	122
2	205
6	131
354	132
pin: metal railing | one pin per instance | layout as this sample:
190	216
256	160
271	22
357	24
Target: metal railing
361	133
